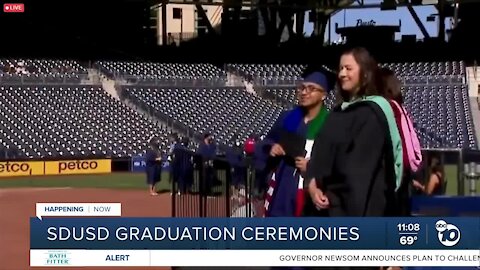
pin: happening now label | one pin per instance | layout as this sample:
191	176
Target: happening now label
78	209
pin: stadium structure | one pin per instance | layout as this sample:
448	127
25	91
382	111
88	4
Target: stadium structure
84	86
115	86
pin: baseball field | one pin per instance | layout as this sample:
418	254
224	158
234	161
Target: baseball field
18	196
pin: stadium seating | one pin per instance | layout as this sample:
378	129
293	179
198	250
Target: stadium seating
41	71
43	121
434	93
64	121
441	113
269	74
228	113
427	68
164	74
413	73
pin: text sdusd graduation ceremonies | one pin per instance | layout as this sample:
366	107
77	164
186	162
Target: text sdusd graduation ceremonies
271	233
197	233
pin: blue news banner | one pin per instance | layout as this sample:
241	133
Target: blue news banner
255	234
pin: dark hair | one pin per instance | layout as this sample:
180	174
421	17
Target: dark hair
368	73
389	85
153	142
435	164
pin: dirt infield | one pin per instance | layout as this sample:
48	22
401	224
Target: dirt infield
18	205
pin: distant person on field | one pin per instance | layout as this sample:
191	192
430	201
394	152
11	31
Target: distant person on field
153	165
172	142
207	150
182	166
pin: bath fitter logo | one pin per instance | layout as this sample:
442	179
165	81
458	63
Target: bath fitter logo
57	257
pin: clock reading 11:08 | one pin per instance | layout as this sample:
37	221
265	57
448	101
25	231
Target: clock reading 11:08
408	227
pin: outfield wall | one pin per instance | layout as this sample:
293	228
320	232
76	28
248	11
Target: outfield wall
58	167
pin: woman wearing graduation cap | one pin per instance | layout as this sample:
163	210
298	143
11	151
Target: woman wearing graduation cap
292	138
357	164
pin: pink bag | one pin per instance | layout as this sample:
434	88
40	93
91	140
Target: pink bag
412	143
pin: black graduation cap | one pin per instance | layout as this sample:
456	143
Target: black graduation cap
321	75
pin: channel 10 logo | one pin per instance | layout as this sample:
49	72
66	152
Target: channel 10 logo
448	234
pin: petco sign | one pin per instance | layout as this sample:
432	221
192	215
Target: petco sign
13	8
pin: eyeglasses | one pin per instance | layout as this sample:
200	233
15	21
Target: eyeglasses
308	88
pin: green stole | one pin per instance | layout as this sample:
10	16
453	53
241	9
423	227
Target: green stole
317	123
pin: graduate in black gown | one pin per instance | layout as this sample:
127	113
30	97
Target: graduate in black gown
207	150
182	166
356	164
237	164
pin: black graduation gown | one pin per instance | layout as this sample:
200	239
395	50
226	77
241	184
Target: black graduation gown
352	160
153	166
182	166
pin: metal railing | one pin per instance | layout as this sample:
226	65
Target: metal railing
208	190
453	163
173	81
212	192
47	79
294	80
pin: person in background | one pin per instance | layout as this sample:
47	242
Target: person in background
356	163
285	194
153	164
435	184
172	142
390	87
208	150
238	171
259	166
241	166
182	165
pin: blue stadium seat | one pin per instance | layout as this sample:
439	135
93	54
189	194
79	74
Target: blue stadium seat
69	121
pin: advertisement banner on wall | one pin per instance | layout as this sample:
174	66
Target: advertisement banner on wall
93	166
21	168
138	164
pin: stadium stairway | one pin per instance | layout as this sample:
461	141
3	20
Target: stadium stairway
475	108
109	86
94	76
473	81
152	118
234	80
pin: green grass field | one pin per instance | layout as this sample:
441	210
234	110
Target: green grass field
137	181
114	180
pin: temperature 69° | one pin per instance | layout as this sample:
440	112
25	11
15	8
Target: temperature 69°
408	240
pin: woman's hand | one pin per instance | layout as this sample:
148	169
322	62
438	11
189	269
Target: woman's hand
318	197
